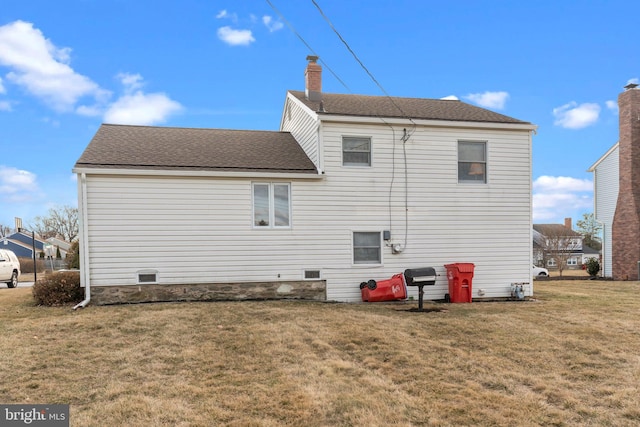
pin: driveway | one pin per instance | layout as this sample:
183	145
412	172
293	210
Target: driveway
25	284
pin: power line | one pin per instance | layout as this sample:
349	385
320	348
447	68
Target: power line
326	18
406	135
293	30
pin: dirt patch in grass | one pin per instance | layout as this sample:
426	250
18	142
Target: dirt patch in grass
570	358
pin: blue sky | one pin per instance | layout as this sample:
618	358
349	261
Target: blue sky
68	66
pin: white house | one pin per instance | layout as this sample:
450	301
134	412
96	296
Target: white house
351	188
605	190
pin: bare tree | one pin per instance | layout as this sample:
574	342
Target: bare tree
559	244
590	230
61	221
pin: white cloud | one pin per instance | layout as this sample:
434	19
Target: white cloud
450	98
5	106
133	107
235	37
494	100
271	24
635	81
141	109
574	116
224	14
613	106
16	185
41	68
131	82
2	89
547	183
555	198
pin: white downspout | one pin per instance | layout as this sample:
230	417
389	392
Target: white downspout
84	242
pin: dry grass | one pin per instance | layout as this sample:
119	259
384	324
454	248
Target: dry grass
570	358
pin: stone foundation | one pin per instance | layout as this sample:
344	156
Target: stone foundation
301	290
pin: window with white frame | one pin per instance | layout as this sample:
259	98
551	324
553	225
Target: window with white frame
367	247
551	262
572	261
271	205
472	161
356	151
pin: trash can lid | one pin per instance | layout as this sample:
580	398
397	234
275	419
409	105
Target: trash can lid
462	267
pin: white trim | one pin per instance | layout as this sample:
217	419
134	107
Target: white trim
356	165
272	209
604	156
423	122
195	173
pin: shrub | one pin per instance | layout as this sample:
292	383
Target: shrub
59	288
73	256
26	265
593	266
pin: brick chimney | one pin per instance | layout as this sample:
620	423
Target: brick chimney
567	223
626	220
313	80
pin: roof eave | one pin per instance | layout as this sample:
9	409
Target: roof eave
423	122
97	170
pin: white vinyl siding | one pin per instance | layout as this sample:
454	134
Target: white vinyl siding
303	126
606	188
198	230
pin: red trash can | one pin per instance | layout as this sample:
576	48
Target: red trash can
460	277
384	290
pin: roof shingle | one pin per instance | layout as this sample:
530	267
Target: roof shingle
168	148
415	108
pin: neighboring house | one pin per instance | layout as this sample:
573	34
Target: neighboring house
62	245
605	195
351	188
22	244
555	243
617	193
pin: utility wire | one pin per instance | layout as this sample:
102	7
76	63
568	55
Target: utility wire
364	67
293	30
406	136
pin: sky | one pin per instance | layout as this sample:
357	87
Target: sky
68	66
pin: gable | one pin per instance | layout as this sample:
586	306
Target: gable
166	148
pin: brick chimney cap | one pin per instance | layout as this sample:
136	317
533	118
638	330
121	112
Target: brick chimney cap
312	58
631	86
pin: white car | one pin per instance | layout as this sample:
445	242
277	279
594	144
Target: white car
540	271
9	268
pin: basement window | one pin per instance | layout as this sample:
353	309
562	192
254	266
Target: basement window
147	276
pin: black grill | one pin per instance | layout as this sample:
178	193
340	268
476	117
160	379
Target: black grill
420	277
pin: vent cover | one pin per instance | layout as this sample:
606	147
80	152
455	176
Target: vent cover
311	274
148	276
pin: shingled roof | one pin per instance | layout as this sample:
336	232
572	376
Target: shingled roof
415	108
554	230
169	148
